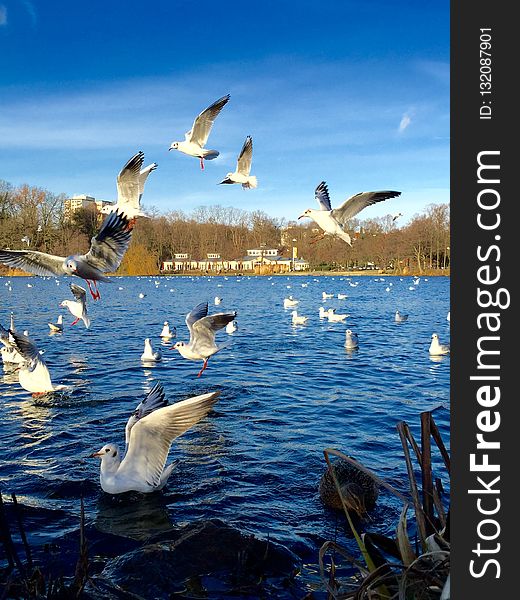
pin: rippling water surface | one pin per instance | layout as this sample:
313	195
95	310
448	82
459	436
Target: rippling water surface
287	392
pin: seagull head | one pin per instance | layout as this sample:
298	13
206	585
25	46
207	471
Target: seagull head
64	304
71	266
177	346
227	179
306	213
435	336
108	454
174	146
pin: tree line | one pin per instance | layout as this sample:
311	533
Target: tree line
34	218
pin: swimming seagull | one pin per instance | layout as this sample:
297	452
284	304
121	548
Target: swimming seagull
333	221
351	339
202	328
166	332
297	319
78	307
107	249
33	374
335	318
399	318
231	327
58	326
290	302
241	174
197	136
149	355
150	432
130	187
436	348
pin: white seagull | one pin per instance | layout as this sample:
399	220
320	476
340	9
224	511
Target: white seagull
217	300
150	432
202	328
130	188
149	355
333	221
436	348
33	374
351	340
290	302
78	307
335	318
58	326
231	327
197	136
297	319
166	332
241	174
399	318
107	249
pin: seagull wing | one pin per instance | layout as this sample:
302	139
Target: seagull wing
202	125
154	399
203	332
321	193
245	157
38	263
200	311
26	347
128	181
108	247
143	175
79	293
355	204
152	436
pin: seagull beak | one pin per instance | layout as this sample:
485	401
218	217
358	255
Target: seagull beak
301	216
95	455
170	149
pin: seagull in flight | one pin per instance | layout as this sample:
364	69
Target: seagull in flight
241	174
78	307
107	249
197	136
333	220
396	216
149	434
202	328
130	188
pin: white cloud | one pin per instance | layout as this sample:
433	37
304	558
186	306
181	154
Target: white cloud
3	15
405	122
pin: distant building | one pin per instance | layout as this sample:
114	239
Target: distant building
254	259
72	205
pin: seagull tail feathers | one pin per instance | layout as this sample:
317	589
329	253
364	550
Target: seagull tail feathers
252	182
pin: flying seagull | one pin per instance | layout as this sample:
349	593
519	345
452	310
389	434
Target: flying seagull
396	216
202	328
78	307
197	136
334	220
107	249
150	432
241	174
130	187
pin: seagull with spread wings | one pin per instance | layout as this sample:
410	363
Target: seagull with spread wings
241	174
78	307
202	328
333	220
33	373
197	136
107	249
130	188
149	433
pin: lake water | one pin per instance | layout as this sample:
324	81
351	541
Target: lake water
287	393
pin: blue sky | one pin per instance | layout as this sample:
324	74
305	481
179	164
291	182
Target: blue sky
353	93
